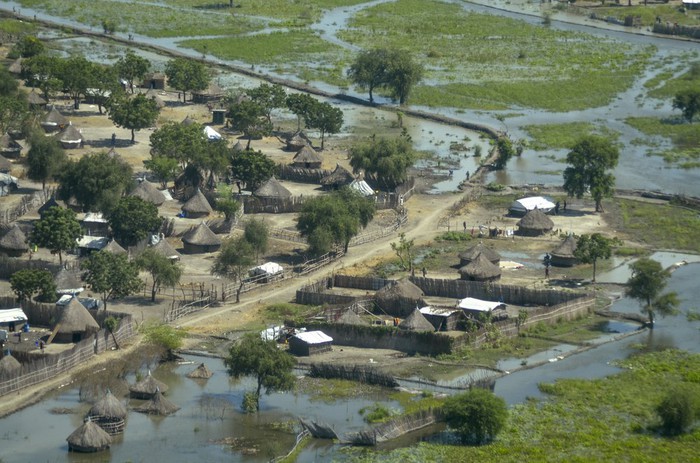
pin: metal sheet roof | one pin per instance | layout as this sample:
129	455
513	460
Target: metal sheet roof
438	312
314	337
12	315
471	303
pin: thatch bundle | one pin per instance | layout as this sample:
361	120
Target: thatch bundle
416	322
148	192
14	243
535	223
201	372
197	205
339	177
9	366
109	413
89	437
480	269
158	405
563	255
272	189
147	387
480	248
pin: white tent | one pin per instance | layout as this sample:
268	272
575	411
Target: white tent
362	187
268	268
479	305
524	205
211	133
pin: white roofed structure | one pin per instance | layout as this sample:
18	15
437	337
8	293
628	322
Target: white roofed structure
314	337
362	187
211	134
524	205
16	315
479	305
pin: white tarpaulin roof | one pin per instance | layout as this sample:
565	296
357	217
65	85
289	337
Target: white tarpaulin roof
96	217
314	337
268	268
471	303
362	187
533	202
92	242
12	315
439	312
211	133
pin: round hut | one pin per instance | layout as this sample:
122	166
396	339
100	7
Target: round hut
237	147
14	243
399	298
9	366
188	121
212	94
480	269
5	165
70	138
109	414
158	405
201	372
164	248
9	148
272	189
54	121
480	248
563	255
297	141
35	100
156	98
197	206
51	202
75	323
338	178
88	438
148	192
351	318
201	239
416	321
535	223
147	387
16	66
114	248
308	158
68	282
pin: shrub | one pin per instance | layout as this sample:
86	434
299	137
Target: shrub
476	416
677	411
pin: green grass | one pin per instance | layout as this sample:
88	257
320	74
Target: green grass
648	14
332	390
12	26
564	136
665	86
606	419
660	226
282	311
684	136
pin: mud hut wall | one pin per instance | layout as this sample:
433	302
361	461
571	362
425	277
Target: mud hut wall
301	174
366	283
255	205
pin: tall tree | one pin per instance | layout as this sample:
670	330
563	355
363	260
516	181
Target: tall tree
248	116
43	71
369	70
187	75
28	46
591	248
163	167
403	73
386	160
58	231
270	366
76	76
185	143
256	233
589	160
45	159
476	416
131	67
25	283
301	105
233	262
133	219
111	275
647	283
135	113
104	85
96	181
163	271
269	97
326	118
252	167
688	101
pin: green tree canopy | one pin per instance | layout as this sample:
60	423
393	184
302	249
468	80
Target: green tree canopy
677	411
25	283
647	283
133	219
505	152
58	231
134	113
28	46
228	206
132	67
248	116
591	248
326	118
688	101
391	69
301	105
104	85
385	160
163	271
43	71
369	70
233	261
269	97
252	167
163	167
111	275
185	143
76	77
96	181
476	416
256	233
589	160
263	360
403	73
45	159
187	75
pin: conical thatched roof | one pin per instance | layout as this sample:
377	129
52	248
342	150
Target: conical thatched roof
108	407
566	248
114	248
307	155
9	366
351	318
480	268
416	322
536	220
89	438
403	288
155	97
147	387
55	118
16	66
237	146
188	121
51	202
7	144
164	248
198	204
69	134
158	405
34	98
339	177
14	240
68	282
298	140
148	192
272	189
201	235
75	318
480	248
5	164
201	372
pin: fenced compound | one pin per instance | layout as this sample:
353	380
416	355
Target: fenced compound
301	174
27	203
183	308
395	428
359	373
256	205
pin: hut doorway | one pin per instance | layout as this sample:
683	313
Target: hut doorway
77	337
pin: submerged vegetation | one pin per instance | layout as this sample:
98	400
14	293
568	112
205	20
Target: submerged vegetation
684	137
565	136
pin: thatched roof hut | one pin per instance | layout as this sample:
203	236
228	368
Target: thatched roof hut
155	97
338	178
9	366
399	298
114	248
54	121
158	405
5	165
148	192
272	189
188	120
416	321
211	94
14	243
154	80
480	248
237	147
197	206
563	255
51	202
147	387
201	239
351	318
16	66
76	323
535	223
70	138
164	248
9	148
297	141
201	372
68	282
109	413
35	100
89	437
480	269
308	158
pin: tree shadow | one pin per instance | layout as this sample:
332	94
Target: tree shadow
107	143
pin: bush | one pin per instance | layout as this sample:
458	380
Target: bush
476	416
164	336
677	411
